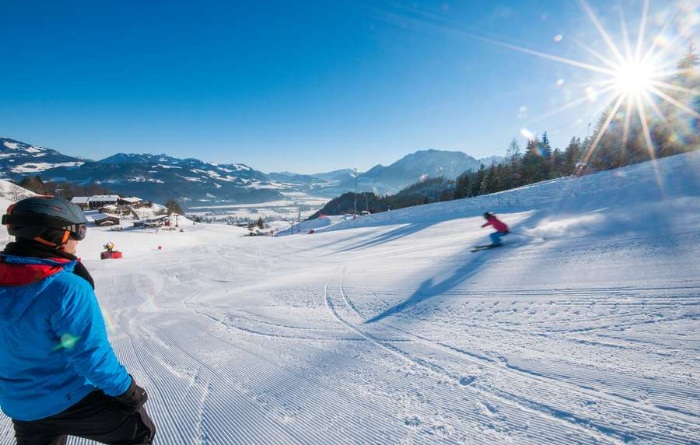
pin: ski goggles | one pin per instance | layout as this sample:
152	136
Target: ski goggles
77	231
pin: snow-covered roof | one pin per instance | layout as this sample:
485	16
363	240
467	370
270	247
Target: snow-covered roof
101	216
131	200
80	199
104	198
97	217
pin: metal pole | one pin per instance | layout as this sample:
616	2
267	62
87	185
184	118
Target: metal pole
355	211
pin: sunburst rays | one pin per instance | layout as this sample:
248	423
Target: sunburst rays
630	66
634	73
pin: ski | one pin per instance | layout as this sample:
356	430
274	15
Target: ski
485	247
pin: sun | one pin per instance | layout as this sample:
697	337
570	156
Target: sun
634	78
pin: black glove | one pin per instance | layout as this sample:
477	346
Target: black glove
134	397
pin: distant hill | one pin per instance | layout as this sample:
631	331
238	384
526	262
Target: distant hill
416	167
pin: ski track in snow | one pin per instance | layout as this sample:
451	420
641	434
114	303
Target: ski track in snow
601	429
387	330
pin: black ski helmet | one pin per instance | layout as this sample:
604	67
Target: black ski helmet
489	215
47	219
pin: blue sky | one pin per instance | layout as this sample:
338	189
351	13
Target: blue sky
304	86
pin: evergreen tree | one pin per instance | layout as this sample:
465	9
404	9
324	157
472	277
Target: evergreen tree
557	164
608	152
500	178
477	180
689	61
463	188
514	159
484	185
446	195
533	165
34	184
573	155
173	207
687	80
545	147
545	150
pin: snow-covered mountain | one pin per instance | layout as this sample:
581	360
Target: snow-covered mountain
416	166
159	177
19	159
153	177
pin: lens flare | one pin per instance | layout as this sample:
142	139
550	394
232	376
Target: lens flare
527	134
68	341
109	324
591	93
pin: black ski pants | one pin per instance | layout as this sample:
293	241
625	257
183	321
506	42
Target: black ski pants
97	417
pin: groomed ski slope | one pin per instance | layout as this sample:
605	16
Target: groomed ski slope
583	329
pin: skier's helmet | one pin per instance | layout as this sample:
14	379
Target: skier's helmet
46	219
489	215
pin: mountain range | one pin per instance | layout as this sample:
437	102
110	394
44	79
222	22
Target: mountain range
159	177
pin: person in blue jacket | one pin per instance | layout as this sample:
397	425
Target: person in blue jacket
59	376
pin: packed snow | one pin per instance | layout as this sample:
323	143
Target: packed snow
386	329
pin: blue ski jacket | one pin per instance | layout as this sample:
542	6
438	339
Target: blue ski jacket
54	348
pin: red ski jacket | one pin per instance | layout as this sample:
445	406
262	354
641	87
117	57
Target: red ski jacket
497	224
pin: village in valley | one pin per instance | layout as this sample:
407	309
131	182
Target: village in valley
116	213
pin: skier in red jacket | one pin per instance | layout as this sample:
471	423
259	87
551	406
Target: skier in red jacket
500	226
